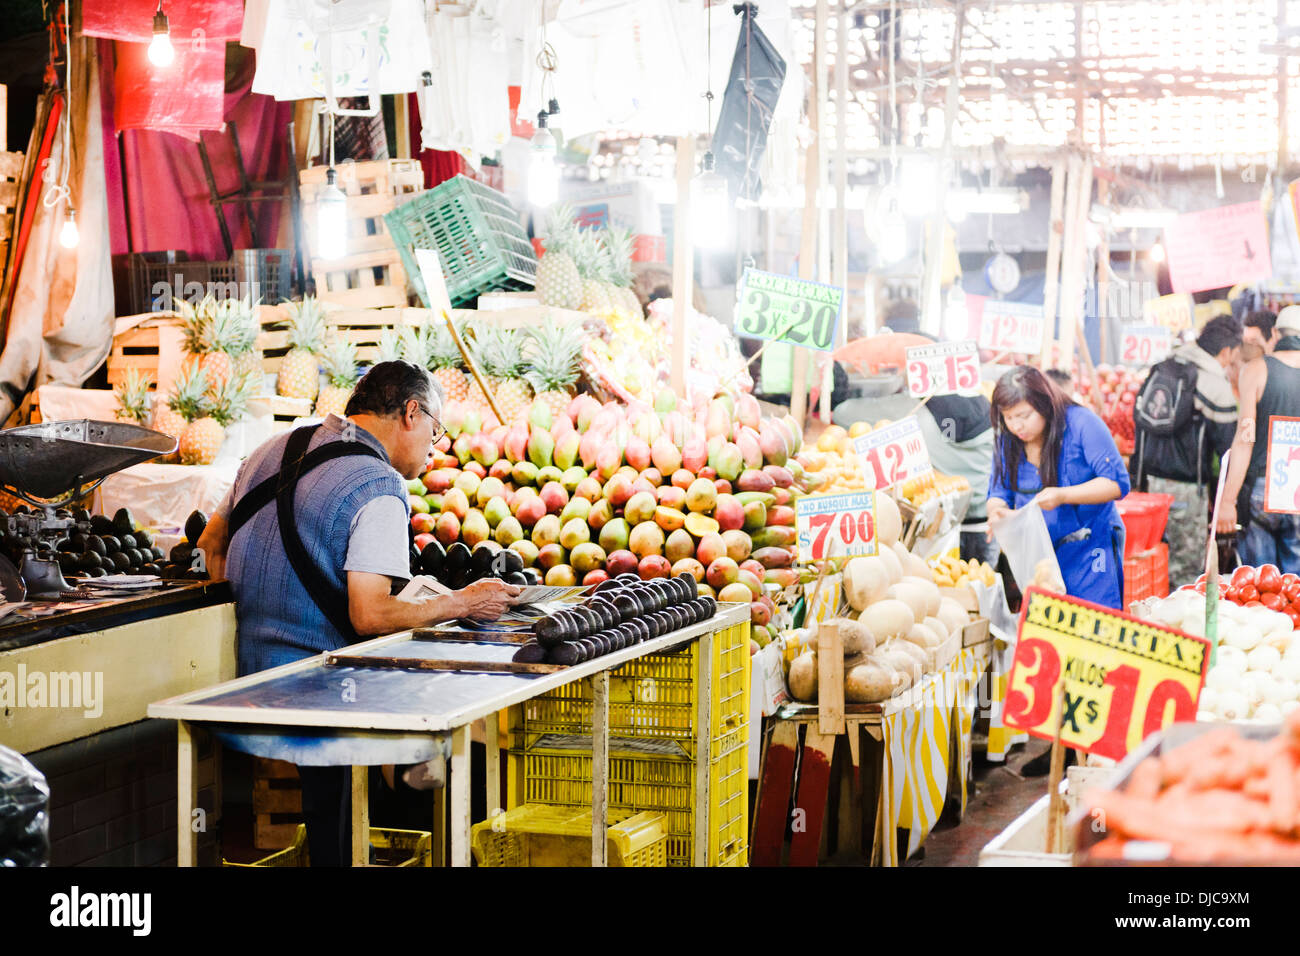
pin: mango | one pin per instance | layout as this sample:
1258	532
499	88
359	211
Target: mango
647	538
771	558
679	545
670	519
701	496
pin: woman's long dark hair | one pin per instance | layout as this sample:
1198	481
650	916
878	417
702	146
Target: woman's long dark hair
1027	384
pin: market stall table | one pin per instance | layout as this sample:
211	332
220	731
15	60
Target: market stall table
318	714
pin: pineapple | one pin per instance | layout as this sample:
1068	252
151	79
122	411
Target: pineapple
500	358
619	244
169	417
203	436
339	362
558	283
132	394
392	346
245	356
592	260
221	333
445	361
195	320
299	372
556	352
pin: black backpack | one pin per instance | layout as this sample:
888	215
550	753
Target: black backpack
1170	432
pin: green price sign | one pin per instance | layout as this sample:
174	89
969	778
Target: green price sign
785	309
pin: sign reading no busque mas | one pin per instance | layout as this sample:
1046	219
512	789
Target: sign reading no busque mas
836	525
788	309
1124	678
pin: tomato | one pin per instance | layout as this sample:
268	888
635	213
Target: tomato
1243	576
1273	602
1201	579
1294	615
1269	579
1247	594
1290	578
1253	604
1291	590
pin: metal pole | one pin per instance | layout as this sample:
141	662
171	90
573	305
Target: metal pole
931	304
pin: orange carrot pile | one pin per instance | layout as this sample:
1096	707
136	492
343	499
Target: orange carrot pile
1220	798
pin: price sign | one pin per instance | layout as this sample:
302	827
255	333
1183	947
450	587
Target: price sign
1144	345
894	453
1124	678
787	309
1175	312
836	526
1283	491
1012	327
943	369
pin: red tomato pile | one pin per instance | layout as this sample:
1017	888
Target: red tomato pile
1265	585
1119	387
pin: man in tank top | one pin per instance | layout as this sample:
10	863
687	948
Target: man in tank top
1269	386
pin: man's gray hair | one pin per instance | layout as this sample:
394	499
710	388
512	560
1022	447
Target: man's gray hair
386	388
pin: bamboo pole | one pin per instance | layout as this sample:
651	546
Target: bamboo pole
683	262
839	238
808	232
473	368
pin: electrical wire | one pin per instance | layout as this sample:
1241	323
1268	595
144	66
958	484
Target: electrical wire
58	191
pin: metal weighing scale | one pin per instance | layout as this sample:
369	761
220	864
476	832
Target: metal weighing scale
51	465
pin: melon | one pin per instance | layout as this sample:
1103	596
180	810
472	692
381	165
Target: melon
953	615
865	581
892	565
936	625
803	677
889	523
923	636
912	650
911	594
914	565
888	619
906	665
871	683
931	591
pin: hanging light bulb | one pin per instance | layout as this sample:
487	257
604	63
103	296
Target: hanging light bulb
68	234
543	174
161	52
553	113
331	219
1157	252
711	215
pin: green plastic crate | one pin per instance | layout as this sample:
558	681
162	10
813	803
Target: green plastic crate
476	231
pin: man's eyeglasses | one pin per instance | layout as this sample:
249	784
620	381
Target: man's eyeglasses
438	430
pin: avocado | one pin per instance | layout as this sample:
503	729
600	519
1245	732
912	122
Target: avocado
710	606
121	562
692	586
566	654
88	560
101	525
150	568
594	621
550	632
158	554
533	575
194	526
609	585
143	539
457	560
593	648
628	578
97	573
124	522
127	541
530	653
432	558
111	544
95	543
78	514
516	577
608	613
67	561
506	562
628	607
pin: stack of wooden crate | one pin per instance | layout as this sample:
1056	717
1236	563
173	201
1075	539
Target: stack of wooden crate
371	274
11	171
277	803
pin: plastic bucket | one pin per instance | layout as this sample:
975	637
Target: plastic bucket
1145	515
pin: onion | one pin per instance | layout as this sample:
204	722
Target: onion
1287	706
1274	692
1288	668
1206	717
1232	659
1209	696
1245	637
1263	658
1233	706
1268	714
1221	679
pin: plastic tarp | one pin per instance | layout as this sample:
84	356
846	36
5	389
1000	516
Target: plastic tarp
748	105
61	321
132	20
184	98
24	812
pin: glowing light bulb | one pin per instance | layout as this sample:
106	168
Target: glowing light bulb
68	234
331	220
711	215
161	52
543	173
1157	252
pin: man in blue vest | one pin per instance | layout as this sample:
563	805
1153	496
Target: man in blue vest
329	579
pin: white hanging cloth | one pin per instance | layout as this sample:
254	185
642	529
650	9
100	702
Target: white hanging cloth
465	107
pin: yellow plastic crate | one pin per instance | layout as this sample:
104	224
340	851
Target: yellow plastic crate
388	848
538	835
651	698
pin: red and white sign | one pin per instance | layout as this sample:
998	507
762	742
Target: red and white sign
1282	494
1217	248
836	526
1012	327
1144	345
894	453
943	369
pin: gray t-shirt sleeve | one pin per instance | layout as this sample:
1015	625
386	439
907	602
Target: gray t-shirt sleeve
378	543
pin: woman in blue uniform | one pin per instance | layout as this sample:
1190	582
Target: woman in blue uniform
1060	455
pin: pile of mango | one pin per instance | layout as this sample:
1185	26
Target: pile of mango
950	572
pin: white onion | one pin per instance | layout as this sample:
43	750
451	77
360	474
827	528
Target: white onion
1288	668
1263	658
1251	687
1220	678
1206	717
1245	637
1194	625
1232	706
1288	705
1209	696
1268	713
1274	692
1232	659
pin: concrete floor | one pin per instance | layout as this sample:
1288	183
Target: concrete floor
1000	795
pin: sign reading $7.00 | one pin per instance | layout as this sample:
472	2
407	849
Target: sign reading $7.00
836	526
1124	678
788	309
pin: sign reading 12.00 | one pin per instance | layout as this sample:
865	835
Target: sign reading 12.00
943	369
788	309
1283	492
836	526
894	453
1123	678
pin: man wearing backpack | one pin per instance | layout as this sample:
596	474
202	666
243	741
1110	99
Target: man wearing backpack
1185	418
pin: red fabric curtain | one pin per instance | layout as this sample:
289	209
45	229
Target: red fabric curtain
166	193
211	20
439	165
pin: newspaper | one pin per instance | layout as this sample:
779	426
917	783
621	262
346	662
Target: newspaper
532	603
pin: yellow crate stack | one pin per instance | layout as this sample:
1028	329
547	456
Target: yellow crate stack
536	835
653	716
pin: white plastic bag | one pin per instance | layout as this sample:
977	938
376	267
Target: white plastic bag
1023	537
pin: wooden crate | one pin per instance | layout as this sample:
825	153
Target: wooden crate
277	803
518	318
371	275
361	327
152	343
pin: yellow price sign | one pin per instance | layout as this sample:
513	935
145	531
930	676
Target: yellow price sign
1124	678
1175	312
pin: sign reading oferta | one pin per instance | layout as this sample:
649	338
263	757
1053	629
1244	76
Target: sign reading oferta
787	309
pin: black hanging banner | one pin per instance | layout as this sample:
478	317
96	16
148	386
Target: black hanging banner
757	72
